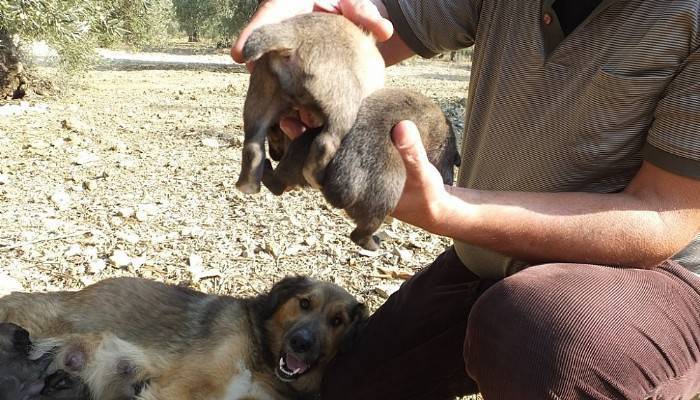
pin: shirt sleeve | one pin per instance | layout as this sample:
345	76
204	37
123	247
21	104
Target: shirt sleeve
673	142
430	27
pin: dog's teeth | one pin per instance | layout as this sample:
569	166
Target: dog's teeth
282	362
296	371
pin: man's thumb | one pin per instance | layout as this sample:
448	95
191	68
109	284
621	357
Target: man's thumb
408	142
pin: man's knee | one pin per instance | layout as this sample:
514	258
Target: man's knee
569	330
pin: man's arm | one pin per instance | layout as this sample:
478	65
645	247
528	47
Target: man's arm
654	218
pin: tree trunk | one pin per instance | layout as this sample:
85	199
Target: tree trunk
193	37
12	79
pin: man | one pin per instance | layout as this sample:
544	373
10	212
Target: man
577	217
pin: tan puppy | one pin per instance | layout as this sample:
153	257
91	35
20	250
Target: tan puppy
318	61
174	343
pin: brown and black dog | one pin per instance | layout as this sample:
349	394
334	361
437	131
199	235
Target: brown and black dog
174	343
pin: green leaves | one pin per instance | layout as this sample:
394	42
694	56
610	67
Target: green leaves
216	19
75	27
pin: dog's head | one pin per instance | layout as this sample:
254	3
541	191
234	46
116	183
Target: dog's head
307	323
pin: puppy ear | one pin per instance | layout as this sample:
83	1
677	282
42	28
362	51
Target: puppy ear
18	338
359	315
266	39
283	291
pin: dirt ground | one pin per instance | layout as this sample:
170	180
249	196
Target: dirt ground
131	173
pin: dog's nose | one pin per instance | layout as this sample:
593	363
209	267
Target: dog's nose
301	341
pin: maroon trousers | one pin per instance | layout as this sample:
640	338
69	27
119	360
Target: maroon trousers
555	331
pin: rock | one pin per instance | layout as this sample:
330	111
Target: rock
118	146
90	185
404	255
8	285
370	254
39	144
90	253
129	237
294	249
4	179
97	266
125	212
192	231
211	142
116	221
60	199
85	157
138	262
144	211
127	163
73	250
196	262
311	240
387	290
72	124
120	259
52	225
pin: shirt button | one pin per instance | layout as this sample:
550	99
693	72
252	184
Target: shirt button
547	19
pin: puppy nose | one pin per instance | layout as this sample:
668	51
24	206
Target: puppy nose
301	341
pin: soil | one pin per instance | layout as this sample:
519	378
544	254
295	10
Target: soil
131	173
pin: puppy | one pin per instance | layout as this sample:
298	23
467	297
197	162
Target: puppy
187	345
318	61
112	369
24	378
366	176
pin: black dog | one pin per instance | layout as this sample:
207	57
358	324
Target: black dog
22	378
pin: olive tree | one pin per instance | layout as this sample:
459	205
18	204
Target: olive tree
73	28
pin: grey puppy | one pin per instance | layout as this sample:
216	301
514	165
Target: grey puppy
25	378
321	62
366	176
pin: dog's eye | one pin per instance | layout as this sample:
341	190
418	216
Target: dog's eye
305	304
337	321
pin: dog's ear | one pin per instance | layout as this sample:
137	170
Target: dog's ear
359	316
16	337
283	291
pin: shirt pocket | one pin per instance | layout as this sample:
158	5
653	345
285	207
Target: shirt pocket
612	117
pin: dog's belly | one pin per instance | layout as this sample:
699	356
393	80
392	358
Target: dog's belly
243	386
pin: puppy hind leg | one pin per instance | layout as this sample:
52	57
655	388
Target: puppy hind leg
324	147
363	235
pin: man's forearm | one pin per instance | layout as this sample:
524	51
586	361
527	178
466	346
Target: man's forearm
395	49
572	227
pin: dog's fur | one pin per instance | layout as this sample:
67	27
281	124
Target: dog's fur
180	344
23	377
366	176
318	61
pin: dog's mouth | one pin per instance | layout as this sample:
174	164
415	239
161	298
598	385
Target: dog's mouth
291	367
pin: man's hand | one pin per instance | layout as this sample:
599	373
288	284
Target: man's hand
369	15
424	202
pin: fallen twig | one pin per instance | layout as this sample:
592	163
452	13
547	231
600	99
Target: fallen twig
8	247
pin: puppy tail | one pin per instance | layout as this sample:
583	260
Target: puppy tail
266	39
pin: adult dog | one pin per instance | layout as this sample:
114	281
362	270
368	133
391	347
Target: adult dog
184	344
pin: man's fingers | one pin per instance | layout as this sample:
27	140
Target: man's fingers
365	14
408	142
